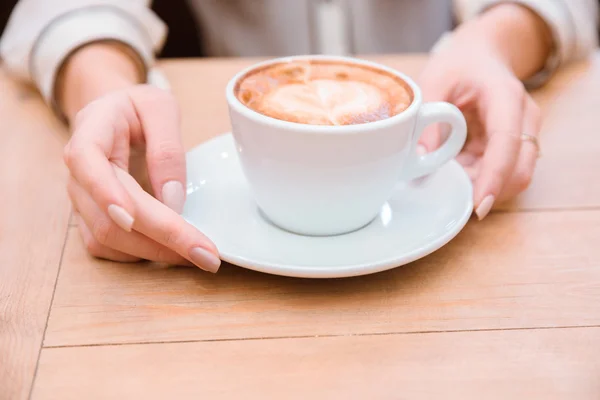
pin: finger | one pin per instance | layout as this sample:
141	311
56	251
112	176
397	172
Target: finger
502	113
476	139
105	238
165	155
98	250
525	167
434	88
431	139
473	170
102	131
93	247
166	227
466	159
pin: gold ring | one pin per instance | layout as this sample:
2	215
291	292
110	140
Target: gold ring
532	139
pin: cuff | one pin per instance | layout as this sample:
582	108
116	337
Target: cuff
557	16
74	29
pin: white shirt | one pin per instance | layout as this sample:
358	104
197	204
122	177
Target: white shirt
41	33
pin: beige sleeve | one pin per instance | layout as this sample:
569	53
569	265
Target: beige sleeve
574	26
41	34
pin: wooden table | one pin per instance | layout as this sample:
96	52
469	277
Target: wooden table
509	309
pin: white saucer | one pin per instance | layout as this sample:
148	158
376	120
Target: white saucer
418	220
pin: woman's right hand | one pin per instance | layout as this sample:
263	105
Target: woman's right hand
118	220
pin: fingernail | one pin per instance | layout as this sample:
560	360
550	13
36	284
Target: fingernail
173	196
205	259
121	217
485	206
421	150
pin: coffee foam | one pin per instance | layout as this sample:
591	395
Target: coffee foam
324	93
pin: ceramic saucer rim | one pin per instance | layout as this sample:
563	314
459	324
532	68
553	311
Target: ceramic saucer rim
365	268
325	272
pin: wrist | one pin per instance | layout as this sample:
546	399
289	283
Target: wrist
93	71
517	35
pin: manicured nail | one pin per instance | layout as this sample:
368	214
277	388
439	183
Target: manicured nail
485	206
173	196
421	150
205	259
121	217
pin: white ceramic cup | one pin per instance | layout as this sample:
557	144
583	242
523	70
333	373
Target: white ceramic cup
328	180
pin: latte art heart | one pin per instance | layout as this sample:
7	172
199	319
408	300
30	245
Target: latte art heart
324	93
330	102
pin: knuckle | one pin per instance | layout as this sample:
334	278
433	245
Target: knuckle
86	112
152	95
80	116
67	158
522	180
159	95
68	155
161	254
102	230
500	172
94	248
168	153
119	98
72	153
172	237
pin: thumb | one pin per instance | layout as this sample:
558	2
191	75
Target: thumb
165	155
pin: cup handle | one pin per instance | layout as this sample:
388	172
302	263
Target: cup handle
431	113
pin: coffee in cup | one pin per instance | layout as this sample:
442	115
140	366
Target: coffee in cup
320	92
323	140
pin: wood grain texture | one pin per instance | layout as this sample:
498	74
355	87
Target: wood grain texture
530	364
34	210
566	173
516	270
533	264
